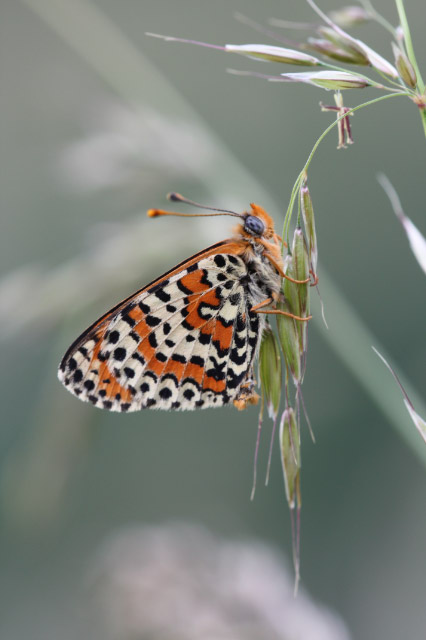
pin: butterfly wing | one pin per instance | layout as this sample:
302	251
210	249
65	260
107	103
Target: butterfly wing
186	341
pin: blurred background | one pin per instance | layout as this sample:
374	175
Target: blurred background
98	510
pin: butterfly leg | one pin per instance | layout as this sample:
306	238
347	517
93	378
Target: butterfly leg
262	304
258	308
246	395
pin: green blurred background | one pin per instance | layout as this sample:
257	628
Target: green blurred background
98	123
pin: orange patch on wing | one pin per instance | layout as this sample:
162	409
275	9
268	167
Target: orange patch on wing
192	281
177	368
114	388
194	318
210	384
136	314
154	365
223	335
194	371
141	328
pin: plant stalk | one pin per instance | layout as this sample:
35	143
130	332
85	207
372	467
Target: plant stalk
315	147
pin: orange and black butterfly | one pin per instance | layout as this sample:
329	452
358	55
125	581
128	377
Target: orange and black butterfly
189	339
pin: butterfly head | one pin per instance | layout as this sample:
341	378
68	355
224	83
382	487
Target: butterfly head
257	223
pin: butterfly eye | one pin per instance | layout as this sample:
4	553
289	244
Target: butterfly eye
254	225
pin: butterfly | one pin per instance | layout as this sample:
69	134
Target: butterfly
190	338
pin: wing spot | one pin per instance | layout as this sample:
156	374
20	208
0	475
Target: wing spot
204	338
179	358
162	295
114	337
144	308
220	260
152	321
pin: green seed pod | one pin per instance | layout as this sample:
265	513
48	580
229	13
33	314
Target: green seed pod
301	269
290	456
331	50
346	43
301	272
404	66
289	340
290	290
336	80
309	222
273	54
270	371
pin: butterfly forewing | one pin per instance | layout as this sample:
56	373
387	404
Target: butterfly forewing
187	341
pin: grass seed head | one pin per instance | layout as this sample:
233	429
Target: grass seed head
272	53
335	80
270	371
289	340
404	66
290	456
309	222
334	51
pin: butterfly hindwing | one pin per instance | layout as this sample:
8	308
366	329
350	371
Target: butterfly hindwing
187	341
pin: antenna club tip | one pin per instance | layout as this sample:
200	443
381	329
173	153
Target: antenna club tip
152	213
174	197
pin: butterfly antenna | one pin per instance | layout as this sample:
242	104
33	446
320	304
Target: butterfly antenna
176	197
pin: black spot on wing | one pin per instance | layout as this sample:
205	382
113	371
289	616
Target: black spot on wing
114	337
219	260
120	353
163	295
